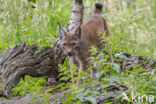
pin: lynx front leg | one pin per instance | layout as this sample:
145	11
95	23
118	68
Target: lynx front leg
71	62
78	81
81	67
76	61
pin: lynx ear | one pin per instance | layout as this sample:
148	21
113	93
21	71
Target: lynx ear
78	32
62	33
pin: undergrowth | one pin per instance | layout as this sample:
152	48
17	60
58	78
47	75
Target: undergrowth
132	30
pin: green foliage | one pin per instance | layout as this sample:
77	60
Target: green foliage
28	85
139	80
83	92
132	30
138	84
78	93
132	27
20	22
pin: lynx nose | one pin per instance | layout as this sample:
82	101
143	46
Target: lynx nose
69	53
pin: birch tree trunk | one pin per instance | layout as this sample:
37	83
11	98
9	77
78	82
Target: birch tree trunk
76	16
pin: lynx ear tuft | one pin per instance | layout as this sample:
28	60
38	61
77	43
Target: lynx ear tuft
78	32
62	33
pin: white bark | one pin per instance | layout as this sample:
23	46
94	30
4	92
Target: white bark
76	15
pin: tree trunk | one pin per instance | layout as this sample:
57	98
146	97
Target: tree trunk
76	16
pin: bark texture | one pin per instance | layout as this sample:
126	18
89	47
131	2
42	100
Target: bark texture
76	16
24	60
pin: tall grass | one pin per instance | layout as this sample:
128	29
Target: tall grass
31	21
132	25
20	22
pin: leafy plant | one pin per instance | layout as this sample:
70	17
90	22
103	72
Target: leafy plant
28	85
132	30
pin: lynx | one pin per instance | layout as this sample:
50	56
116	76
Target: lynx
76	44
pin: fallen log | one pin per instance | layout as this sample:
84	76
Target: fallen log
24	60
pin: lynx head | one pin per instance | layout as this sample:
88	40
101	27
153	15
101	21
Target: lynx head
70	42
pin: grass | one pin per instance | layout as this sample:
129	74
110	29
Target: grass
22	23
132	26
